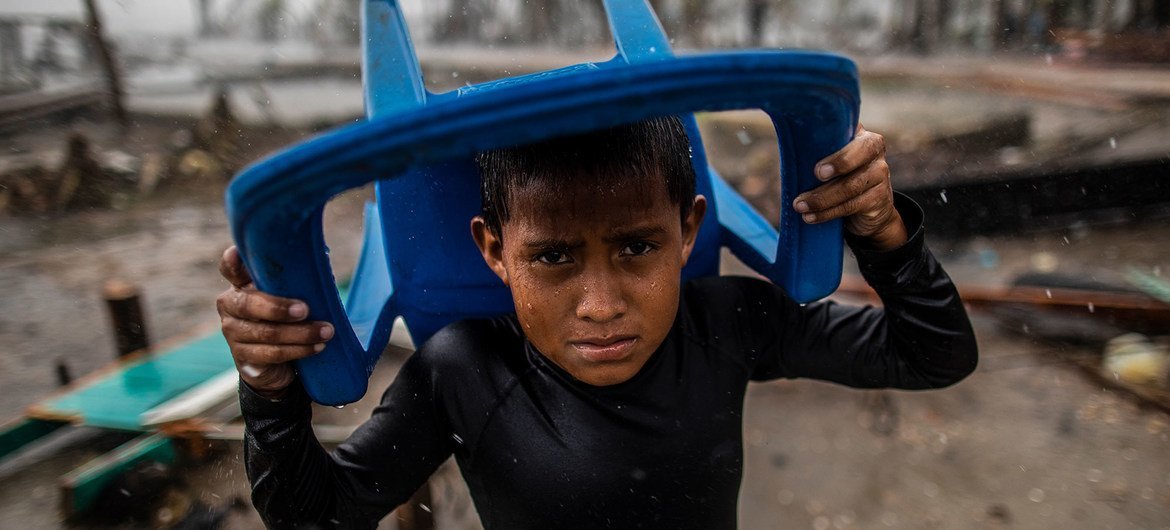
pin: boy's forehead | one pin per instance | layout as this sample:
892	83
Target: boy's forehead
630	200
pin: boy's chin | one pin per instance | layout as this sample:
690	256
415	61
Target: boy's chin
607	375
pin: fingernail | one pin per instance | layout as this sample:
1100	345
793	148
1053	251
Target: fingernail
298	310
801	206
318	348
824	171
326	332
808	217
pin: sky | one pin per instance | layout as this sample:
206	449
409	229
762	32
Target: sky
159	17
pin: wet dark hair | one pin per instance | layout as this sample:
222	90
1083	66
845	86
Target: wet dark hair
643	153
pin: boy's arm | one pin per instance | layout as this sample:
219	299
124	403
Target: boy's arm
295	482
921	339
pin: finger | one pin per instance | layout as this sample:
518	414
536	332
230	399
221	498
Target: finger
865	147
258	355
231	267
868	203
250	304
843	189
305	333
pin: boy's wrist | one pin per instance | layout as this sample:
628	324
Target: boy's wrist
891	235
287	402
897	239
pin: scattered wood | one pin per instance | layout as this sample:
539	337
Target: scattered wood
1076	316
82	182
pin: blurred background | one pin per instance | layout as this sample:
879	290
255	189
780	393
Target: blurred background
1033	132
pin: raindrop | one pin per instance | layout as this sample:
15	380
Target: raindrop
743	137
1036	495
943	195
339	407
424	507
457	438
1092	308
653	49
1048	293
1112	142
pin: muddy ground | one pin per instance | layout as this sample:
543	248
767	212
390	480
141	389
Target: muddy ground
1027	441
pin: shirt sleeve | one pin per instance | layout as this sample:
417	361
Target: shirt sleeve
921	338
297	484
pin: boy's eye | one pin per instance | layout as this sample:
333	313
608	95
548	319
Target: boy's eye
637	248
553	257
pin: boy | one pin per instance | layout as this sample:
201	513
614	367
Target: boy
613	397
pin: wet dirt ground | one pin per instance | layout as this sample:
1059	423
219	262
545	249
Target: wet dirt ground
1026	442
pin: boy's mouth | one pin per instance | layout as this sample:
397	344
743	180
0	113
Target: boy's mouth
613	348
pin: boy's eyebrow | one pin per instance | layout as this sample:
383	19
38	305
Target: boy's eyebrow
640	232
553	242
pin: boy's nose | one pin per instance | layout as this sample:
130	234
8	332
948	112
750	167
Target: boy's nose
601	300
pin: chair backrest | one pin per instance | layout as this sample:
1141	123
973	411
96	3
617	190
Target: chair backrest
418	261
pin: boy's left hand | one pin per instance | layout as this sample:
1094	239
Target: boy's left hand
857	188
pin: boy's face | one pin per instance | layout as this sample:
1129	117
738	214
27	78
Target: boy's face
594	273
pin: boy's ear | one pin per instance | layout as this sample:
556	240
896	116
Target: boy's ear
491	247
690	226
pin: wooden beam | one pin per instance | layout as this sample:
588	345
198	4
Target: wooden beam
126	316
16	434
82	487
1132	308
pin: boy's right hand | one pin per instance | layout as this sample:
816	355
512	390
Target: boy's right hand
265	333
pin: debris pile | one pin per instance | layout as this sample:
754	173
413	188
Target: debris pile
82	175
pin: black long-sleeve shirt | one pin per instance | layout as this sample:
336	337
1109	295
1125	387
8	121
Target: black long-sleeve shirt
540	449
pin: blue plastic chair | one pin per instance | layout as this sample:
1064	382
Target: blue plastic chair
418	260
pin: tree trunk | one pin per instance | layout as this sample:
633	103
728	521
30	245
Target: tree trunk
113	76
757	13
